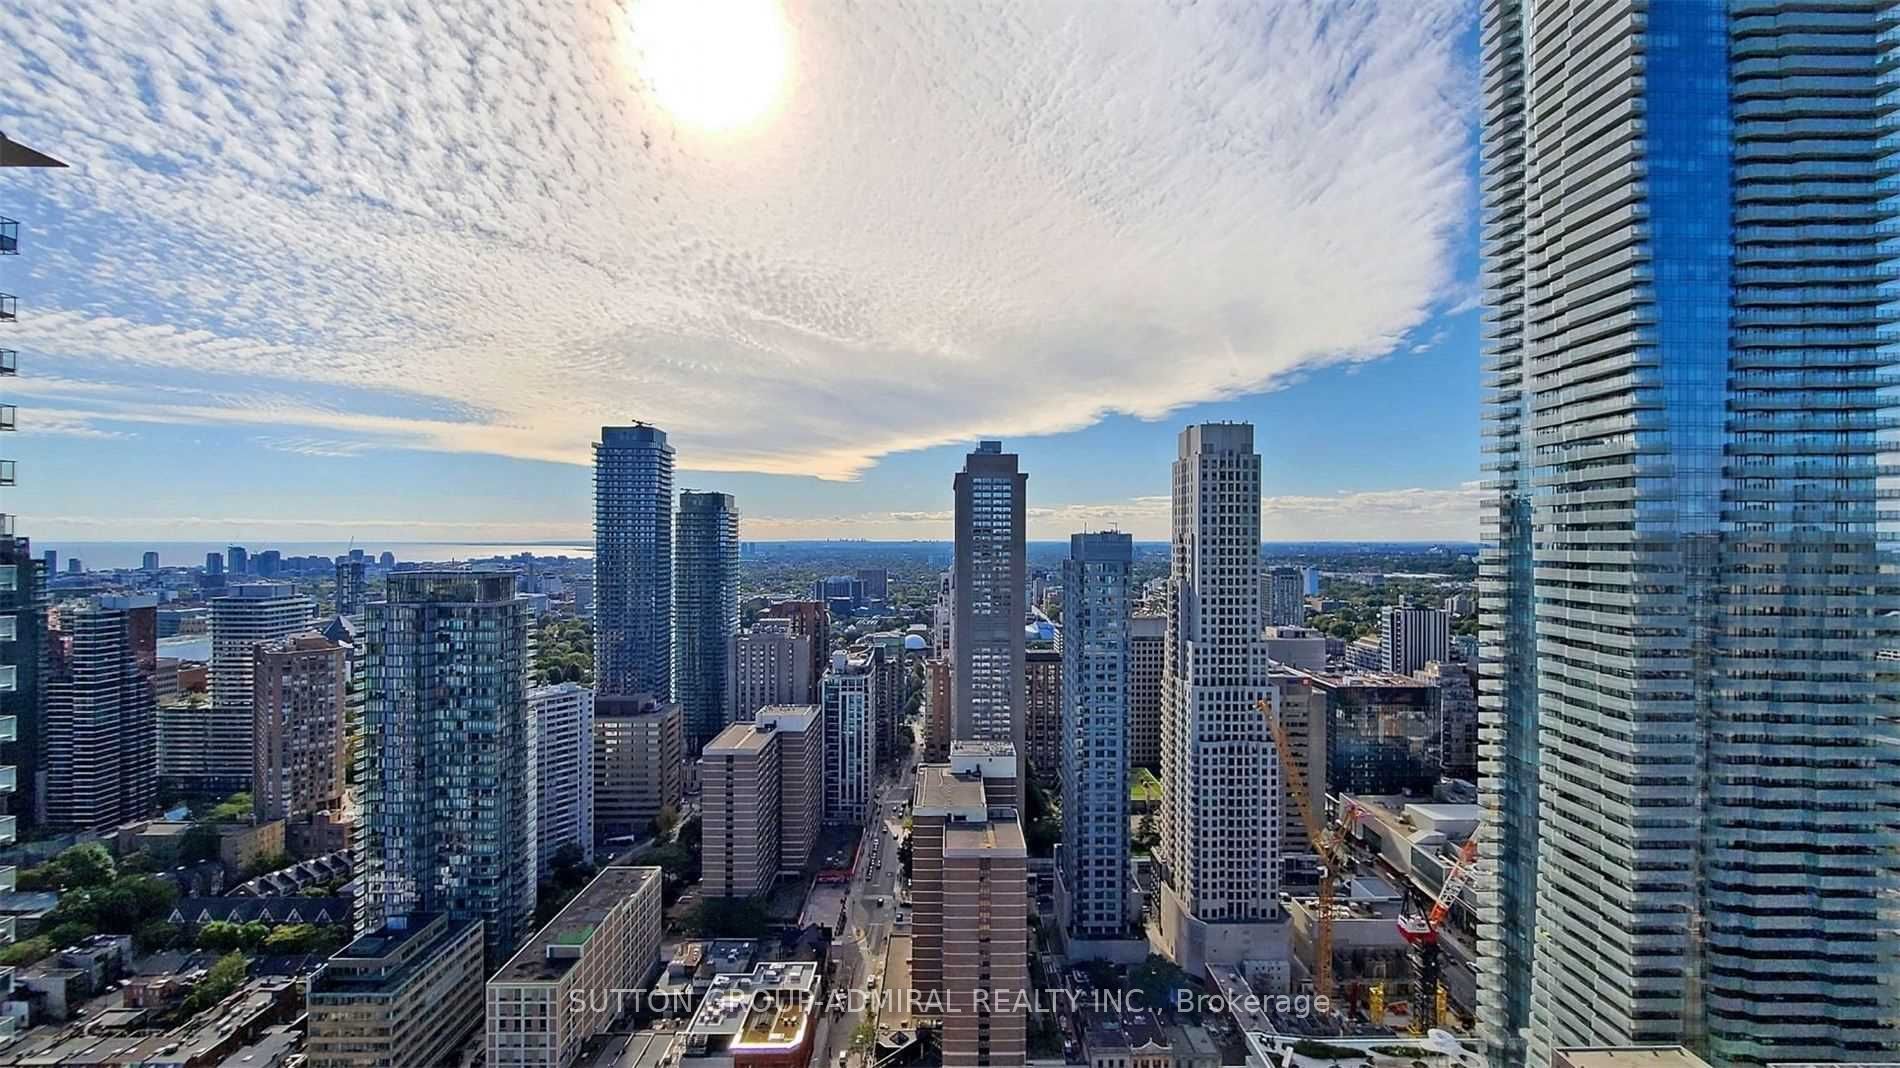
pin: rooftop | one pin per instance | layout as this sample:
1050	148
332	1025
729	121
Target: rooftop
941	791
1629	1057
766	1009
790	717
368	965
574	926
741	738
994	835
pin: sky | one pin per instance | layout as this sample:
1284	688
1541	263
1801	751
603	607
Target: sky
383	270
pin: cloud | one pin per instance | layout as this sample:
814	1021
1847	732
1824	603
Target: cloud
468	226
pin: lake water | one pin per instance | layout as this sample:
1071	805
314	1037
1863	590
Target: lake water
107	555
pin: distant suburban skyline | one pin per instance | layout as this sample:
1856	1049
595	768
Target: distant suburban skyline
374	274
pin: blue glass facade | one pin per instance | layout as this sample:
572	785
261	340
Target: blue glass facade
1689	745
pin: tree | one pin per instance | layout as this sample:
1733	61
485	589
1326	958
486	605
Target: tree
904	854
87	865
26	952
219	983
236	807
154	936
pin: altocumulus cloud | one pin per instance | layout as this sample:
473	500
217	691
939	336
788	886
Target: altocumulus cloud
467	226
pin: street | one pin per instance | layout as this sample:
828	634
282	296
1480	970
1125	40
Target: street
861	945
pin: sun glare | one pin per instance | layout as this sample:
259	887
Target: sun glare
717	65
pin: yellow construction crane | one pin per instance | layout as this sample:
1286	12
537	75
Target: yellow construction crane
1329	842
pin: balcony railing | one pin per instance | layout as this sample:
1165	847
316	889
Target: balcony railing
9	307
6	472
9	878
9	237
9	778
8	413
7	830
9	729
9	362
6	525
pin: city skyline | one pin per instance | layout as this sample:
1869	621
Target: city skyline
430	386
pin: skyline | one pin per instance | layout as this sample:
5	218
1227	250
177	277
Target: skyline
423	340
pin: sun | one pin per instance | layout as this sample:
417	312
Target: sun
716	65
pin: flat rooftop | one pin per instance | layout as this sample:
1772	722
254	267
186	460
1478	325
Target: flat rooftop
768	1008
739	738
574	925
1628	1057
792	718
1003	836
941	791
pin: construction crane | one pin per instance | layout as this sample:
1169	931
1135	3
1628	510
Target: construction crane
1328	841
1419	928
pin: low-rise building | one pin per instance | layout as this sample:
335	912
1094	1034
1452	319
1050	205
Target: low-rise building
762	1019
406	994
577	974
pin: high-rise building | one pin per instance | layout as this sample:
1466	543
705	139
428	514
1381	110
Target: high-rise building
405	993
1042	713
633	563
100	711
886	650
1147	650
578	974
941	615
564	754
1410	638
937	700
1302	709
769	665
990	572
1092	860
800	734
1285	597
214	564
1220	777
237	561
1381	732
806	619
302	687
875	583
1457	690
1309	581
22	648
150	562
75	566
850	708
739	808
1687	756
217	758
970	921
268	563
448	786
705	610
637	754
350	586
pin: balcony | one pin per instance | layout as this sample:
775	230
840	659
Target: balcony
9	237
9	878
9	729
9	778
6	472
7	830
8	414
9	307
9	362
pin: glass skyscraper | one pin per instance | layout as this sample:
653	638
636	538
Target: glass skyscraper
705	611
633	562
449	767
1093	855
1690	752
